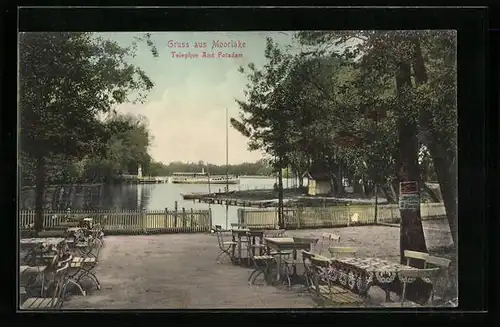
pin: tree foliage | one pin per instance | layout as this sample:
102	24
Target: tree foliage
67	80
339	108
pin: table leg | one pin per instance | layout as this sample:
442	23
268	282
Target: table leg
239	248
278	269
253	247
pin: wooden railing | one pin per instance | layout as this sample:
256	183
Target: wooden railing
129	222
334	216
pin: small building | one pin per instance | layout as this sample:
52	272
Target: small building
318	183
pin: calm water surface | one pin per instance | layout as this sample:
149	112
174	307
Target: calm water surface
161	196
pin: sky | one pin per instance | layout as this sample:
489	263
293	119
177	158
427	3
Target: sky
186	109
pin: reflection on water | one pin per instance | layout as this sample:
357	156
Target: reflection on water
147	196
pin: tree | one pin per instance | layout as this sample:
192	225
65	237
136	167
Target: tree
389	54
425	105
66	81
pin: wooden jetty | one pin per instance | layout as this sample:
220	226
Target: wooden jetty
221	198
225	199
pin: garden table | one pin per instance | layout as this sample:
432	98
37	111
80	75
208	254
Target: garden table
30	243
286	243
38	246
359	274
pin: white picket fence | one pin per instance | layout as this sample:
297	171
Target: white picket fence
129	221
335	216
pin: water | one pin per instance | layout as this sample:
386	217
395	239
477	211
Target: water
161	196
147	196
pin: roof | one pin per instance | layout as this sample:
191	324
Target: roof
317	175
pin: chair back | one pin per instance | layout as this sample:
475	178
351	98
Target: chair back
342	251
306	240
308	272
60	282
61	263
329	240
220	237
274	233
438	262
415	255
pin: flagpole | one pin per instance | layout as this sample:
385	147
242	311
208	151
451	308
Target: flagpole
227	167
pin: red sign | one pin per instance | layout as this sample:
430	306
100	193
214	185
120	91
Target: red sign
408	187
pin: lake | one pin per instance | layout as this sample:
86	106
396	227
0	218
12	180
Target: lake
147	196
161	196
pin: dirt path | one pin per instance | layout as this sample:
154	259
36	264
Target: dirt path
179	271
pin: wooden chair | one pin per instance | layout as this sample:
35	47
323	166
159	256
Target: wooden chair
415	255
71	273
263	266
57	298
405	276
308	269
342	251
290	264
227	248
251	248
329	239
329	292
443	264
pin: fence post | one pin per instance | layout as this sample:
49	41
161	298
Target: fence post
210	217
166	217
183	217
348	215
192	217
175	214
144	220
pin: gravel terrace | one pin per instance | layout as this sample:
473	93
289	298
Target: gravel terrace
178	271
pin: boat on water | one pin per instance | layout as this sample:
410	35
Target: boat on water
203	178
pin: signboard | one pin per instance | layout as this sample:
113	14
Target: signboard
408	187
409	202
409	198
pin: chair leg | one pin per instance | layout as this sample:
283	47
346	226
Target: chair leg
288	274
250	278
257	274
78	285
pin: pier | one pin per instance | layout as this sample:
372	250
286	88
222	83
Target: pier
226	199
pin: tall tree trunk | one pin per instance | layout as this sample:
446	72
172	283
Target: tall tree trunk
39	192
445	166
430	192
446	171
280	198
411	231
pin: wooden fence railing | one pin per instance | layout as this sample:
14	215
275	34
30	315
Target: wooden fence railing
131	221
335	216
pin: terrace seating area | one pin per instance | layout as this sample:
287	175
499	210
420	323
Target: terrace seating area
58	262
338	279
207	271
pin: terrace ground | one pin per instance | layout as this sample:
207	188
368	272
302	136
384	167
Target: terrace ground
179	271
